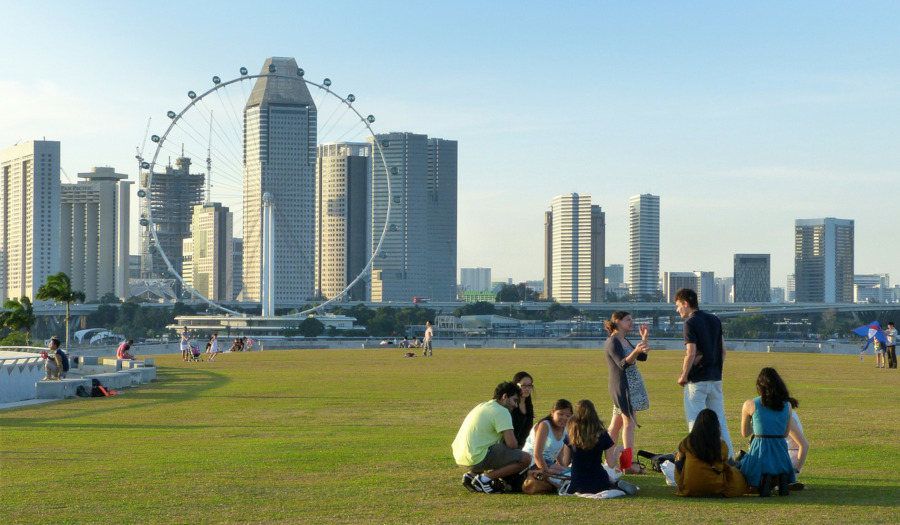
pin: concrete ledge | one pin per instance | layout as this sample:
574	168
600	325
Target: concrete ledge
544	345
60	389
116	364
112	380
795	348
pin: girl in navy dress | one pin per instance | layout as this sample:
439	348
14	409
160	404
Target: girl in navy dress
588	440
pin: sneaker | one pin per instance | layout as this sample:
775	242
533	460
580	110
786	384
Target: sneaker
481	486
784	487
797	486
500	486
468	477
765	486
627	487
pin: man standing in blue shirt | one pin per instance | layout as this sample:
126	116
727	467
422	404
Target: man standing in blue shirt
701	372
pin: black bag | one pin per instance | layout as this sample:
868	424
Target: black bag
656	460
81	391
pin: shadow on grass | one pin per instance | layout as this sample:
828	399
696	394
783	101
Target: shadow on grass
173	385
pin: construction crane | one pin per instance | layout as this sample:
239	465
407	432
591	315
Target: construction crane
140	149
209	160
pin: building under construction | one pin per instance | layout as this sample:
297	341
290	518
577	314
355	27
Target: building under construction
172	195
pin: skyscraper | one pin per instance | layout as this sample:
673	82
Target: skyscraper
93	237
280	159
29	217
213	247
421	227
752	277
441	216
172	195
643	268
823	260
342	174
575	251
704	283
475	279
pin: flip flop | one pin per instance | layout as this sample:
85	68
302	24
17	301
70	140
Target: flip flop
630	470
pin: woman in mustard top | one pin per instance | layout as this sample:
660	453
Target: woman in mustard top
701	467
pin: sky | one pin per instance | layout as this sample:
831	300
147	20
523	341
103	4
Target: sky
741	116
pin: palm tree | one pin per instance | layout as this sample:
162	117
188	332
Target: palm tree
20	316
59	290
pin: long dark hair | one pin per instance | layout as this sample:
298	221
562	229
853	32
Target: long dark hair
561	404
527	401
772	391
705	437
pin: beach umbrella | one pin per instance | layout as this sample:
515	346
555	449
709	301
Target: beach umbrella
870	331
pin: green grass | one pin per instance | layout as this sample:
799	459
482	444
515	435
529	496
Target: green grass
353	436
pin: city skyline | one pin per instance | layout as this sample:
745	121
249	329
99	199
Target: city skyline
741	120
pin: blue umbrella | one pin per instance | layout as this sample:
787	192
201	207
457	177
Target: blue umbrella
871	330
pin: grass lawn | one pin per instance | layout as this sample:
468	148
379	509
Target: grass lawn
363	436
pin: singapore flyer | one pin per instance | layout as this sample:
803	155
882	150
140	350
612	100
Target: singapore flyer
252	176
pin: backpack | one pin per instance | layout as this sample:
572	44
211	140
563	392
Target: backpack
81	391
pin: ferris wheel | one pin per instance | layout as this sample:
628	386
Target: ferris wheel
247	154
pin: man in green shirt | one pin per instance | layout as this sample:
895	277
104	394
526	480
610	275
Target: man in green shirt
485	442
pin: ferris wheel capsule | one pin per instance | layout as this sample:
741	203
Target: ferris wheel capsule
370	119
141	193
243	71
327	82
192	95
145	165
155	138
217	80
351	97
300	72
170	114
272	68
394	170
145	222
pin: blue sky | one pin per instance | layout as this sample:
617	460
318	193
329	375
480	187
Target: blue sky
741	116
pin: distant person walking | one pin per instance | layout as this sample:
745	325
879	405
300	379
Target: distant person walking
429	335
185	344
213	347
701	372
891	334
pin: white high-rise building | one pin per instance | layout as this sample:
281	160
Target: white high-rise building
475	279
93	237
212	247
823	260
29	217
237	283
441	216
342	175
575	250
280	159
703	283
418	255
643	268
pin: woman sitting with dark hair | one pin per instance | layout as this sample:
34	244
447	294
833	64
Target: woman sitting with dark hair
523	415
767	419
701	467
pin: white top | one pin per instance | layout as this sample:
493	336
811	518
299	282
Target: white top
891	334
214	346
185	340
552	446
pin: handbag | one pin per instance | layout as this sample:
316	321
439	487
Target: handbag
537	482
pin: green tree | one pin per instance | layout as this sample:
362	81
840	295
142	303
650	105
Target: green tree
110	298
311	327
20	316
479	308
15	339
509	293
58	289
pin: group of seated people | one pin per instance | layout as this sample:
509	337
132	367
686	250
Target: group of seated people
499	443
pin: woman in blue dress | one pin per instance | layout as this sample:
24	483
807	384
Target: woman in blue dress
767	418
